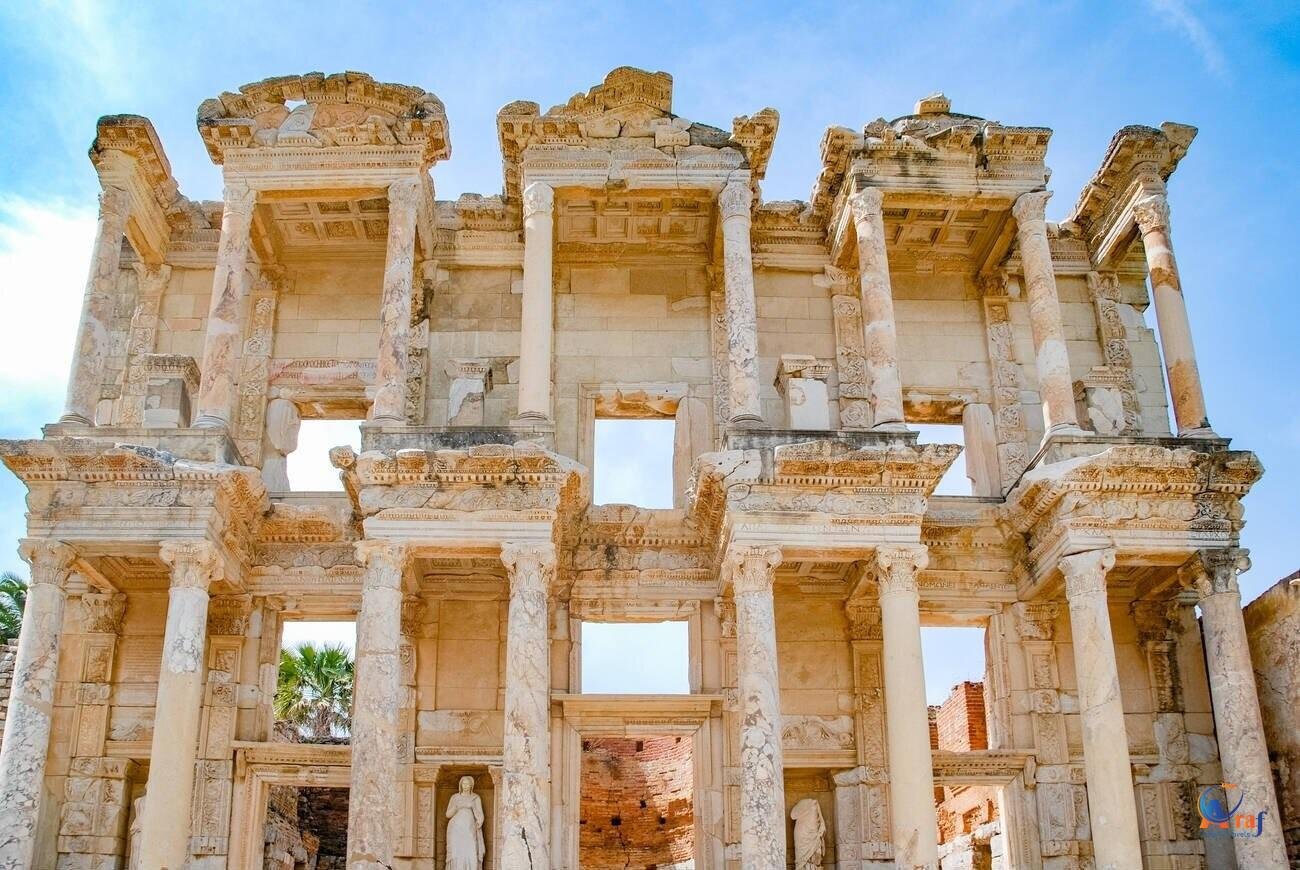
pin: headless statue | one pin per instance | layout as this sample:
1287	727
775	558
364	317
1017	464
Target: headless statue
282	423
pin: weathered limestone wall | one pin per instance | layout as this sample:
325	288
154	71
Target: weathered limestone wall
183	313
637	806
7	653
329	310
815	664
794	317
1273	627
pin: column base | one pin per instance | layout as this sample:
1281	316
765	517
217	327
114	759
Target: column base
209	421
75	420
892	426
1199	432
746	421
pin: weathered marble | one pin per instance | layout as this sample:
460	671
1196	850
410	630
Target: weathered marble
226	310
395	306
879	333
471	381
536	333
801	381
526	773
283	422
1105	743
734	203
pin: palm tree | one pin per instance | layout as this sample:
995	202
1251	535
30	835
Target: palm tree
314	692
13	598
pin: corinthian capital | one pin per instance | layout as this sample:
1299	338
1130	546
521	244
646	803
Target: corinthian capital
735	200
539	198
102	612
238	198
1030	207
1214	572
114	204
404	194
1085	573
530	565
897	567
192	562
50	561
867	204
1151	213
384	561
751	569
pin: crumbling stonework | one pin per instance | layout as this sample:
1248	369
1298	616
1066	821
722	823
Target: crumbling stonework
959	725
629	267
636	803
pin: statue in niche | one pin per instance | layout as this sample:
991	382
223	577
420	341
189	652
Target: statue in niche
133	835
282	424
809	834
465	828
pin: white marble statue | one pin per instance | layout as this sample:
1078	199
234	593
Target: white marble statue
282	424
465	828
133	836
809	835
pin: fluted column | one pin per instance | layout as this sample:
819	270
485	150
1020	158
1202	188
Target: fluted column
537	330
97	308
1151	214
878	327
1055	386
31	702
526	757
1111	804
907	724
165	839
1238	724
762	773
374	802
226	309
742	311
395	307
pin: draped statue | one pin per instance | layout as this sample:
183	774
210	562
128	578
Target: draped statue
809	835
465	828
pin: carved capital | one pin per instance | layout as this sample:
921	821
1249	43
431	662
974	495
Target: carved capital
114	206
385	562
1214	572
102	612
531	565
1104	285
1156	620
751	569
1151	213
1035	620
228	615
152	278
1085	573
50	561
994	284
1030	207
864	620
238	198
867	204
897	567
735	200
726	610
412	615
539	198
192	562
403	195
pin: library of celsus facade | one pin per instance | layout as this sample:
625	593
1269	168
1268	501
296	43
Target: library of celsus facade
630	269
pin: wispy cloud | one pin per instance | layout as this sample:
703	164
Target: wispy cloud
1178	16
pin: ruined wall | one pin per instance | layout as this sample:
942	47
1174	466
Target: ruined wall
637	809
959	724
7	654
1273	627
960	721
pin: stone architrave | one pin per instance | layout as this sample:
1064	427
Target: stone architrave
165	842
1112	806
1151	213
525	794
536	336
879	331
911	777
762	774
734	204
226	311
374	802
1238	724
395	306
31	701
1055	387
93	333
471	381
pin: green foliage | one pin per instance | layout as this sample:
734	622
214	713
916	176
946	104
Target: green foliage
13	598
314	692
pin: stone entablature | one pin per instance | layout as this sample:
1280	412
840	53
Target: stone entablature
629	269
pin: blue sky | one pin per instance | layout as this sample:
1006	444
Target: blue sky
1082	68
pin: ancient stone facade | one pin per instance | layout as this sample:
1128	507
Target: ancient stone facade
631	268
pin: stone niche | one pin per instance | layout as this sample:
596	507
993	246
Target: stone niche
637	803
817	784
447	784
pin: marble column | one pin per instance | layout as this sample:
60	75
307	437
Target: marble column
537	330
1055	385
1152	217
93	336
31	702
526	759
395	307
742	311
1111	803
762	773
907	723
226	310
165	842
879	331
1238	725
375	801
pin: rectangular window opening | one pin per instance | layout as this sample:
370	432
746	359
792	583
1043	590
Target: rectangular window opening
633	462
954	480
313	692
308	465
636	658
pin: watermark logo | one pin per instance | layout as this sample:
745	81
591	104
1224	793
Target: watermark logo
1221	812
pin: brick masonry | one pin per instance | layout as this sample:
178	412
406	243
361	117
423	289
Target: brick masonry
637	811
959	725
7	654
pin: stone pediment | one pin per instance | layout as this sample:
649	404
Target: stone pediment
315	111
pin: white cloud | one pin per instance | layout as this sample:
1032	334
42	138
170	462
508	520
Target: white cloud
1178	15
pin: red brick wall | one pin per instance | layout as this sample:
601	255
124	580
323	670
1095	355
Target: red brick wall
636	803
960	720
